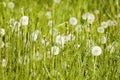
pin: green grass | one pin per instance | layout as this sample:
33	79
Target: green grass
72	62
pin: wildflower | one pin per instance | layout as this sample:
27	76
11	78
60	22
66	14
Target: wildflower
96	50
4	63
100	30
2	32
103	40
55	50
78	28
35	35
73	21
24	20
57	1
11	5
70	37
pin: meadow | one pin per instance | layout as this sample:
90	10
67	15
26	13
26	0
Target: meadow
59	40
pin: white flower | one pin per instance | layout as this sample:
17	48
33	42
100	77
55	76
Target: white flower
78	28
2	31
49	14
57	1
55	50
60	40
90	18
100	30
24	20
103	40
4	63
11	5
53	31
104	24
16	26
96	50
35	35
50	22
73	21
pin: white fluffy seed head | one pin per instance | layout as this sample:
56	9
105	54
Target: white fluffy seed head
11	5
24	20
100	30
90	18
104	24
2	32
4	63
96	50
55	50
73	21
103	40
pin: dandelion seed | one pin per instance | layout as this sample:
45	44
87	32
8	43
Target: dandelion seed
103	40
11	5
2	32
100	30
4	63
96	50
35	35
24	20
73	21
55	50
57	1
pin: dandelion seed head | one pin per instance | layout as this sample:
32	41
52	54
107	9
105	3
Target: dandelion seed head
24	20
73	21
4	63
100	30
11	5
96	50
55	50
2	32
